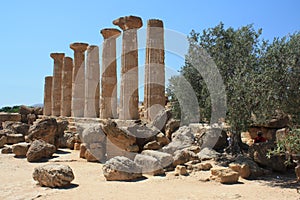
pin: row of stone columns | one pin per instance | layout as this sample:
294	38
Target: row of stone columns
74	89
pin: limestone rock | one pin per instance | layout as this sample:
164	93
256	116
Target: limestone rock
39	149
76	146
82	150
10	117
181	139
181	170
161	119
93	134
172	126
149	165
162	139
14	138
243	170
224	175
67	140
20	149
96	152
121	169
3	141
6	150
182	156
255	170
45	129
89	156
153	145
208	154
53	175
17	127
202	166
164	158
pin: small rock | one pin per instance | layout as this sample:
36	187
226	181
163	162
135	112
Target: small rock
153	145
162	139
53	175
39	149
181	170
82	150
6	150
76	146
202	166
20	149
224	175
121	169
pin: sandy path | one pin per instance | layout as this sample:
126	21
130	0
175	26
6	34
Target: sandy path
89	183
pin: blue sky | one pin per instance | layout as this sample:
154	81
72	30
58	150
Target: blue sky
31	30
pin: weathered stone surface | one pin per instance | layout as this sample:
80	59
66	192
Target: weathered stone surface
207	154
202	166
243	170
149	165
53	175
161	119
181	170
9	117
172	126
45	129
76	146
97	150
20	149
121	169
48	95
3	141
17	127
68	140
66	87
6	150
224	175
89	156
39	149
119	137
258	152
108	105
14	138
255	170
181	139
182	156
78	79
82	150
162	139
164	158
94	133
153	145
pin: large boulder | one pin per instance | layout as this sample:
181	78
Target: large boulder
53	175
121	169
45	129
17	127
172	126
258	152
183	156
149	165
164	158
255	170
67	140
39	149
181	139
161	119
20	149
208	154
93	134
224	175
243	170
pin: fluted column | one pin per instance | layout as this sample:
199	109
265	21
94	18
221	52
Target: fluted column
92	84
56	82
154	87
78	79
48	96
66	95
108	100
129	97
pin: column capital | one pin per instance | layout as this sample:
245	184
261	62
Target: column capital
155	23
57	56
92	47
78	46
128	22
68	59
110	32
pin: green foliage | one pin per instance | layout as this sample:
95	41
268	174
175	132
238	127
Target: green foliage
14	109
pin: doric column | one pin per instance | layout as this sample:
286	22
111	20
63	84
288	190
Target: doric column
66	95
78	79
154	87
129	96
92	82
108	100
56	82
48	96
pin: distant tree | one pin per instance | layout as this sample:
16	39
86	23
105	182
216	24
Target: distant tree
14	109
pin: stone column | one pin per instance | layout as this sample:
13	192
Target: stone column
154	88
66	95
78	79
92	82
48	96
56	82
108	105
129	96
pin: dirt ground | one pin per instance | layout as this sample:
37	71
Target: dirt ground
89	183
